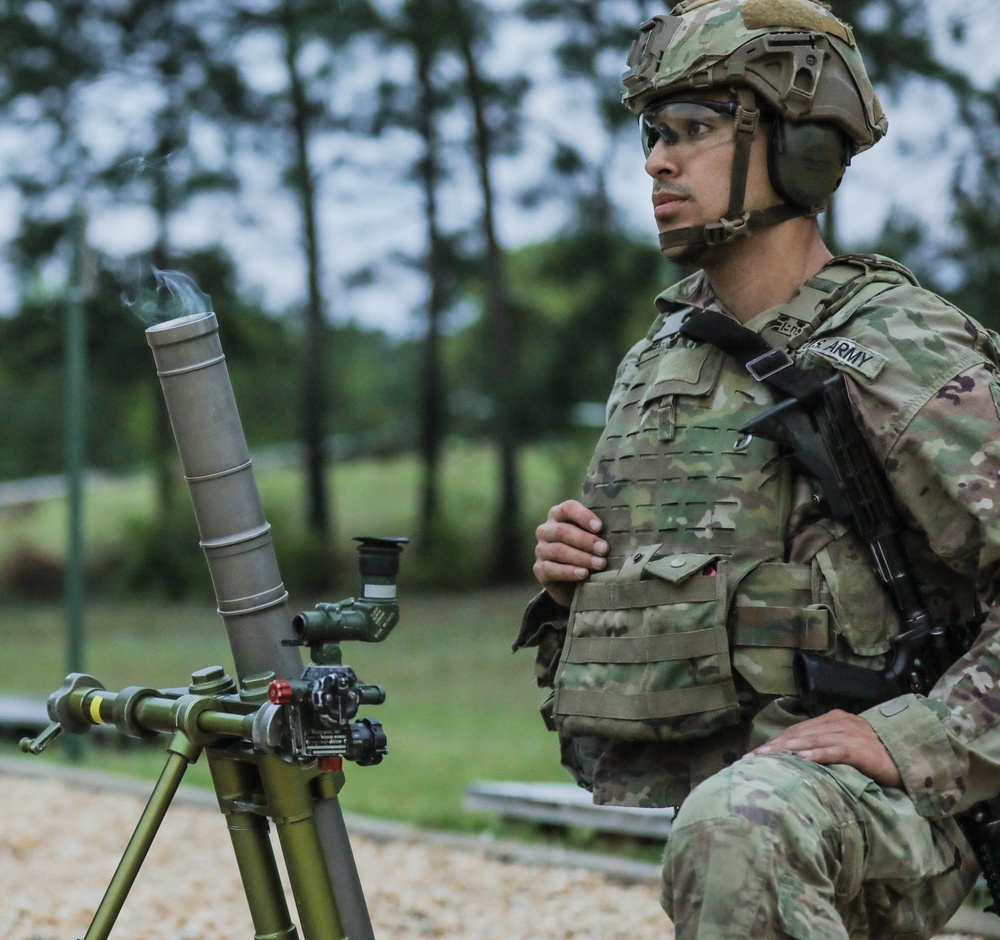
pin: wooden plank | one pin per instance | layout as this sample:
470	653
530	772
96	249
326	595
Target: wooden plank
565	805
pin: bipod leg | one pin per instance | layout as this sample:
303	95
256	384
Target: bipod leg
343	871
181	753
291	806
237	786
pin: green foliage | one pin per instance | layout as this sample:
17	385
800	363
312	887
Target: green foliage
155	556
30	573
132	551
30	404
309	565
372	374
548	322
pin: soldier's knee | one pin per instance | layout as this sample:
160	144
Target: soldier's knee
742	791
760	799
708	826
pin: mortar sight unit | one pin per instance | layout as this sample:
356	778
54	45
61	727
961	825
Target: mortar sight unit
310	718
369	618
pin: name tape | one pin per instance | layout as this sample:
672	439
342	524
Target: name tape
846	352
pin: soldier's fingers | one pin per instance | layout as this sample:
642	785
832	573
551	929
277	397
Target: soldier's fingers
830	754
551	572
799	737
571	536
834	717
559	580
575	512
582	553
825	727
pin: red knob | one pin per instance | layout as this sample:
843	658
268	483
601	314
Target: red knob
279	692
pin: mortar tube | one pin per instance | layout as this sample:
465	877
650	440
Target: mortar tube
215	460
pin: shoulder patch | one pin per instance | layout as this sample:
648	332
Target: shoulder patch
847	354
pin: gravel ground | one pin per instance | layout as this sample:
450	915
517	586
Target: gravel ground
60	843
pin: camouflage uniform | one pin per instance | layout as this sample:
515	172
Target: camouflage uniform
924	381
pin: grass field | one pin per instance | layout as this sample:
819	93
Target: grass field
377	496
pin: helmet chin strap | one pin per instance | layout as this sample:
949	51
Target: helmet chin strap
737	222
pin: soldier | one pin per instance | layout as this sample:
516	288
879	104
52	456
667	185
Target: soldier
679	588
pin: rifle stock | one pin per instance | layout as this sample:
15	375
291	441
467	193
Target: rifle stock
823	683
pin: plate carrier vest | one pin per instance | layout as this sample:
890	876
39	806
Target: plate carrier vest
697	591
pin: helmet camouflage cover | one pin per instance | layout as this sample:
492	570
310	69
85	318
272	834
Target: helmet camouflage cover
795	55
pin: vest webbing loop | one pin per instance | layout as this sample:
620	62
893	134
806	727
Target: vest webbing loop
645	706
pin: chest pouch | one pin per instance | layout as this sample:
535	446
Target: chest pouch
647	654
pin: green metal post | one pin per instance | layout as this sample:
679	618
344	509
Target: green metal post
76	421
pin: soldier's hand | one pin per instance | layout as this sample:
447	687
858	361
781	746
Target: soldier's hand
838	737
569	548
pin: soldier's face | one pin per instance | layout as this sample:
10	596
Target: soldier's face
690	149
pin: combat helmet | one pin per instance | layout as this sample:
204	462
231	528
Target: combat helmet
792	57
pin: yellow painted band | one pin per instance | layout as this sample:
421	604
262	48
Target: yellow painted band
95	710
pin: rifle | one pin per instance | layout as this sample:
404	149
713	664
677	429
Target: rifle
820	434
276	736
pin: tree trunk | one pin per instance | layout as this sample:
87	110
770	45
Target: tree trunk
164	203
507	562
314	391
432	430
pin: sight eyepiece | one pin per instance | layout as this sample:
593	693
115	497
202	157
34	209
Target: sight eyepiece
379	557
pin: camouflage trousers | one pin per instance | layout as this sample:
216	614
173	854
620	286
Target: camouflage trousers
779	847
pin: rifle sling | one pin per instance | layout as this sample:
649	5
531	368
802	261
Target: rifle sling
766	363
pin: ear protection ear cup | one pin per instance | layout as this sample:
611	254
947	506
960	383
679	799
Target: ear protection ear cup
806	161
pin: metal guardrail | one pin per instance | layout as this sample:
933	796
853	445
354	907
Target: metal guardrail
565	805
22	716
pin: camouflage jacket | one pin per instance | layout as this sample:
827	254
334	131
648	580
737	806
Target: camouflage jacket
924	381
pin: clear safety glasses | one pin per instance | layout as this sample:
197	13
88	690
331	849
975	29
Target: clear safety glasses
686	126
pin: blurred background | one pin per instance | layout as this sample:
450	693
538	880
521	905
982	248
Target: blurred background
426	232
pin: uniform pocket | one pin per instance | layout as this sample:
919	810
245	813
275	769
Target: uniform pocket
648	659
685	370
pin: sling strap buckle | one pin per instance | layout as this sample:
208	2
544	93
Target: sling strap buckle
768	364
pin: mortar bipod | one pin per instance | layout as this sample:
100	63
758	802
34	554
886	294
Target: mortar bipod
253	788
